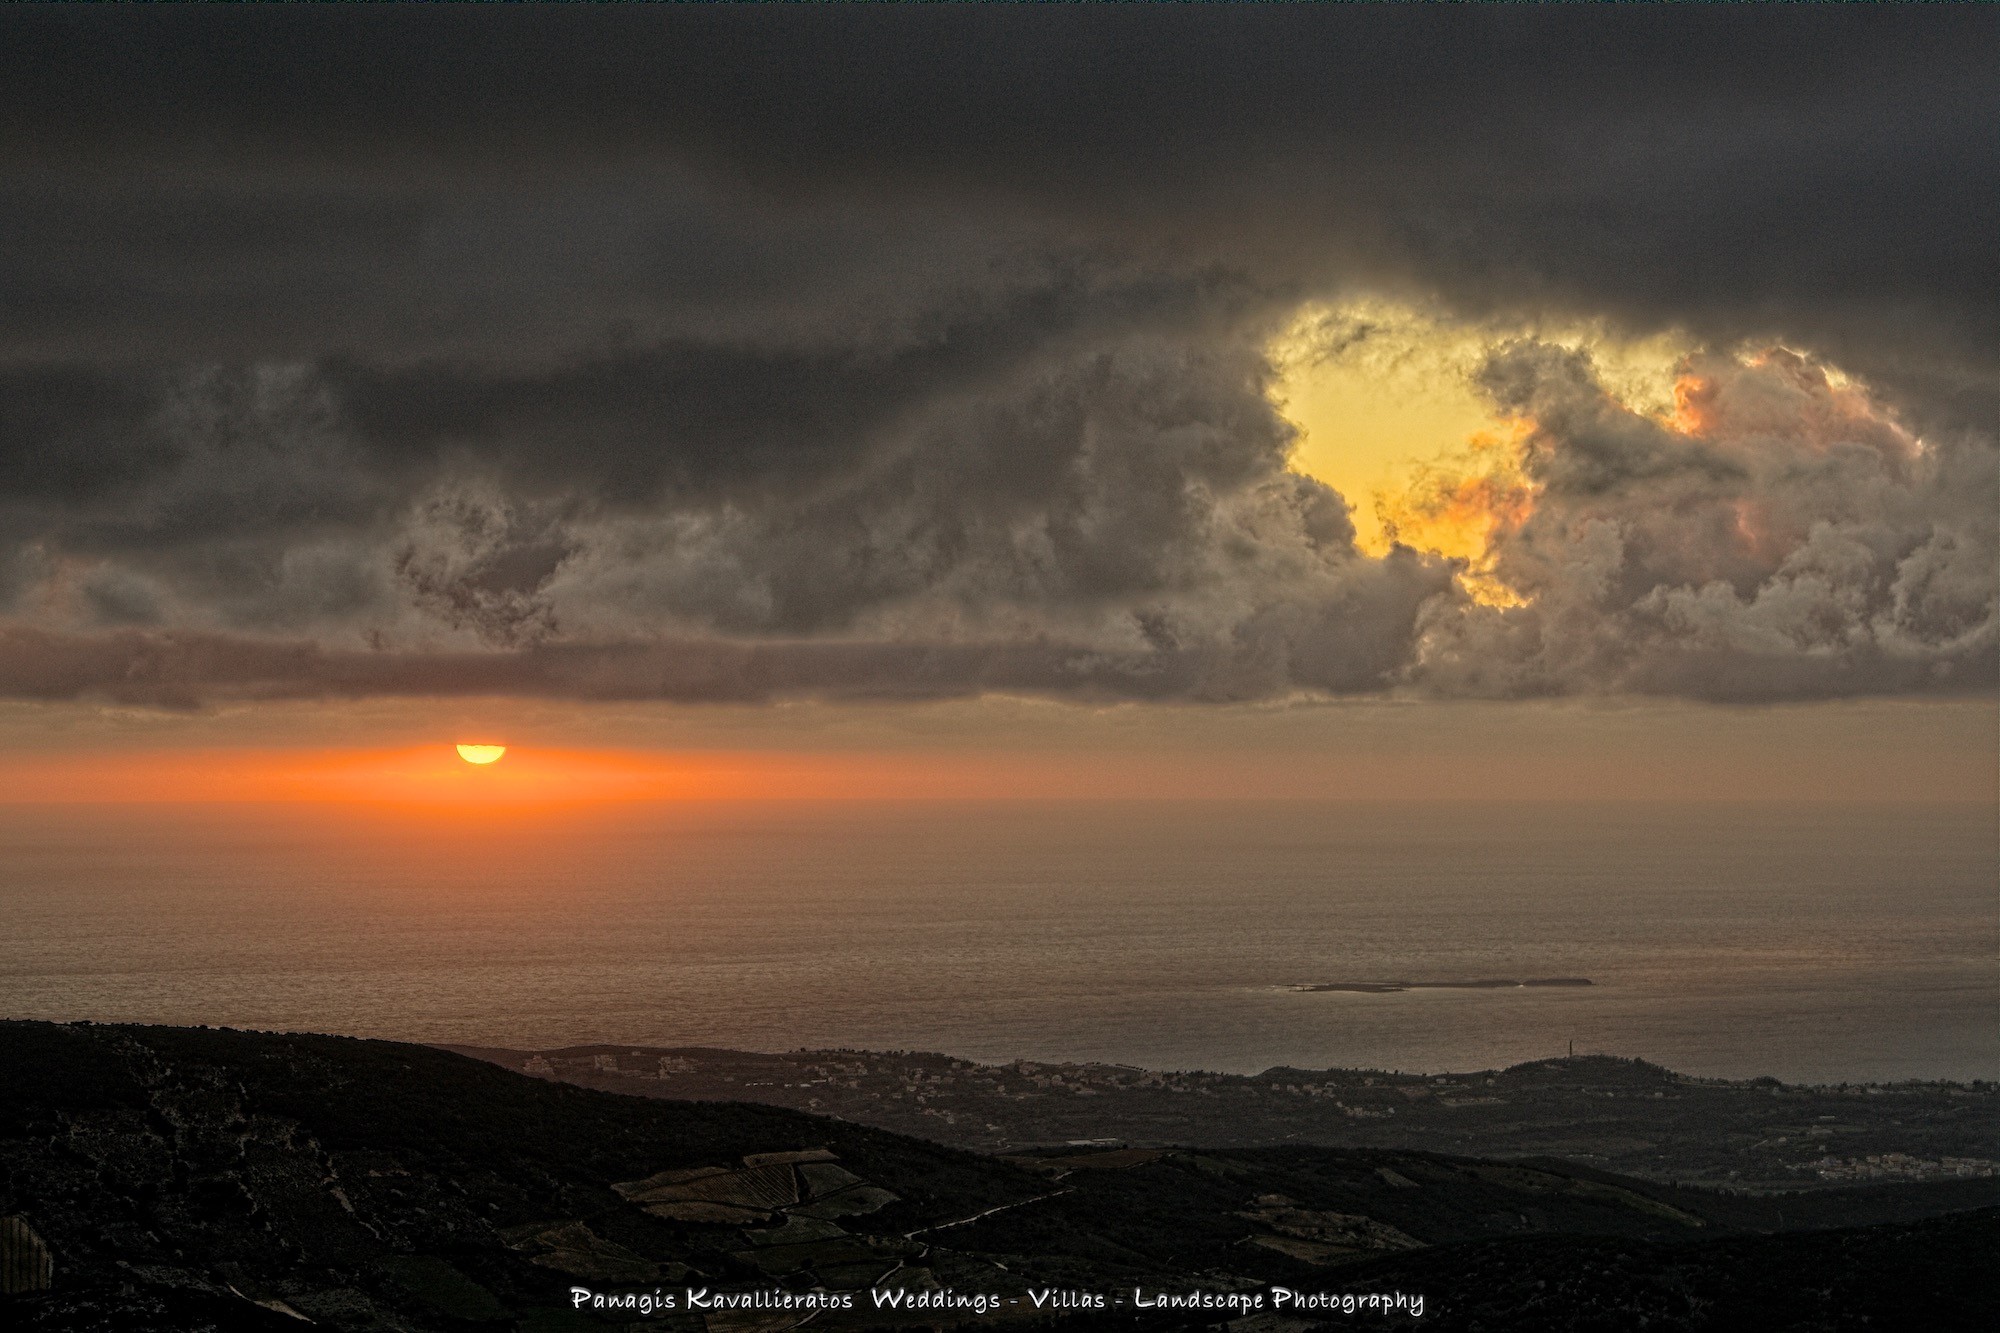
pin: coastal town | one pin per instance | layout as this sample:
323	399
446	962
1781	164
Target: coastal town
1614	1114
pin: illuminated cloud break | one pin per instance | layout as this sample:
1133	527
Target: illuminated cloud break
1286	354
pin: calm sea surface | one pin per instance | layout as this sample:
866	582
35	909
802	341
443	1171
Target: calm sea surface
1814	944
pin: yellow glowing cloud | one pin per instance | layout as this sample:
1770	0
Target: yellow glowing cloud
1456	508
1390	416
1375	388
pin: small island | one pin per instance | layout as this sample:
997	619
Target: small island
1390	987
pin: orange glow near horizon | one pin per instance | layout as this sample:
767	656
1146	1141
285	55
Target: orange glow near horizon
1471	754
431	775
434	777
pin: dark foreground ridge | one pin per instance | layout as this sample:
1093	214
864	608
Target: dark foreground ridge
180	1179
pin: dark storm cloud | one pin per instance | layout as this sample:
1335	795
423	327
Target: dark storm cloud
180	670
444	332
1658	160
688	416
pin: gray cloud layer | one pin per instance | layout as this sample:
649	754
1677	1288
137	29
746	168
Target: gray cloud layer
1799	545
690	355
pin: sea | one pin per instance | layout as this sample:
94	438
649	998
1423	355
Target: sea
1818	944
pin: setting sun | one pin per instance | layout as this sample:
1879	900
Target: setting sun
481	754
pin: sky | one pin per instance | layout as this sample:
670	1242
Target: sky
1562	402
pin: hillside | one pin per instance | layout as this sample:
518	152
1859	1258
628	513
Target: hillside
185	1179
1621	1115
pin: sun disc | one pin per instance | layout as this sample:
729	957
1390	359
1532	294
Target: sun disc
481	754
